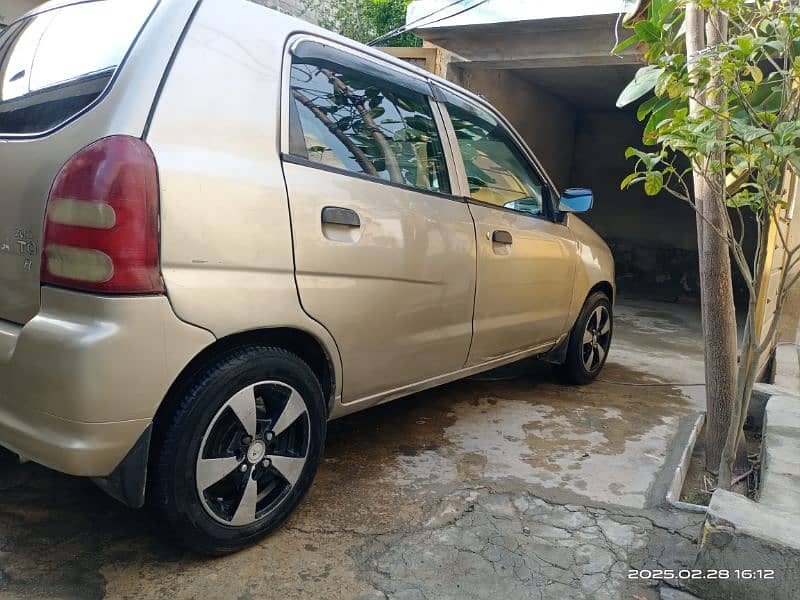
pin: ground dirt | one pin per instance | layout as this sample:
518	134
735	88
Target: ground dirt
508	485
700	483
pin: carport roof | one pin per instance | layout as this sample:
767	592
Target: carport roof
445	13
534	43
568	56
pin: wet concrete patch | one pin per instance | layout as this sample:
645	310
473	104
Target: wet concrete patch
601	441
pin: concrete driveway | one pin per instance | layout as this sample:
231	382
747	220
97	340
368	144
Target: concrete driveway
508	485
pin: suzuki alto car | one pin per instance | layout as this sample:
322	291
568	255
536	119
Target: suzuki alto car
221	227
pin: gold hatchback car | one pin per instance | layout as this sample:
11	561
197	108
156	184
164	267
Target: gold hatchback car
221	227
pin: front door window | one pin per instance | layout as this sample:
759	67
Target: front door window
497	171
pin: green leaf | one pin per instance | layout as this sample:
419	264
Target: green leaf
745	44
653	182
625	44
646	107
660	10
776	45
643	83
647	32
630	180
748	133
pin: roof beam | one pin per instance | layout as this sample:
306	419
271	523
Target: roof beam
562	42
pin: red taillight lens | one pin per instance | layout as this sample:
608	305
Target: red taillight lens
101	228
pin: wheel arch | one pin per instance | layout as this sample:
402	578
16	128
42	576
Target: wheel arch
601	286
558	353
297	341
302	343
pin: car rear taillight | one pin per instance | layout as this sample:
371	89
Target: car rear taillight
101	226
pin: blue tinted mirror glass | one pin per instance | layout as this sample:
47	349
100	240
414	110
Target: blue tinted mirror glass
576	200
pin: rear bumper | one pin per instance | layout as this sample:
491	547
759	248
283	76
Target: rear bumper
81	381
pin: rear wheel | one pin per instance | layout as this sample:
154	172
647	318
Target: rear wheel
240	450
589	341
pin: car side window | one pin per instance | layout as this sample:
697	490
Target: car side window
497	171
350	119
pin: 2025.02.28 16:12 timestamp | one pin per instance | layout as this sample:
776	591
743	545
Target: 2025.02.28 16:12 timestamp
667	574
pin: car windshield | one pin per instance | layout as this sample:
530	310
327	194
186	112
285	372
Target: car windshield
56	63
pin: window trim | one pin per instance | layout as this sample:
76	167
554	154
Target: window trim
326	51
451	160
109	86
304	162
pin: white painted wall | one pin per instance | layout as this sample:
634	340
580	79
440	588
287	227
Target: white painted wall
498	11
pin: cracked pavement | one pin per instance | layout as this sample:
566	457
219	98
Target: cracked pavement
516	545
507	485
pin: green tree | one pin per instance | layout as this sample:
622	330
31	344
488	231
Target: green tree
730	105
387	15
363	20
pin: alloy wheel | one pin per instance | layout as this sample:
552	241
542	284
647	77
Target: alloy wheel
253	453
596	339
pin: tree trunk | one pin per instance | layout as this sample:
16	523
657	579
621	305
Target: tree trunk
716	287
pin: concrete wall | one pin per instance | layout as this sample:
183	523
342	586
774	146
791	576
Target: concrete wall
654	239
546	122
599	163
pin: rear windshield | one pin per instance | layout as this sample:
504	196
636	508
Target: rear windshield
55	64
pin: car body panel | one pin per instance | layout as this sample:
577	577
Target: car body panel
397	292
595	265
524	288
31	162
82	375
226	242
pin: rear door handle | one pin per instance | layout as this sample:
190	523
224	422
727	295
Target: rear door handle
334	215
502	237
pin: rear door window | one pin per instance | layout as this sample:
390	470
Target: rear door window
347	115
55	64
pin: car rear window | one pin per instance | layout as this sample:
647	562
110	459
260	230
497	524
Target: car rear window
55	64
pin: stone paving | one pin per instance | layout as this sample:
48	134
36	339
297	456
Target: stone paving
505	486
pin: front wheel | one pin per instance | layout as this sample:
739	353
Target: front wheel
239	451
589	341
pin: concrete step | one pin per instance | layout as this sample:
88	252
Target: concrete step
748	536
788	372
780	469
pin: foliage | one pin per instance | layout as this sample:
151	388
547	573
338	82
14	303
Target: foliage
363	20
387	15
740	139
757	71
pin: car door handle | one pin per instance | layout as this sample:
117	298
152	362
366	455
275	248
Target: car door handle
502	237
334	215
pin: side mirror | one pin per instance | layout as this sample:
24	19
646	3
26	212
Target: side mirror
576	200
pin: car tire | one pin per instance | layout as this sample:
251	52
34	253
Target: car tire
589	341
238	450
